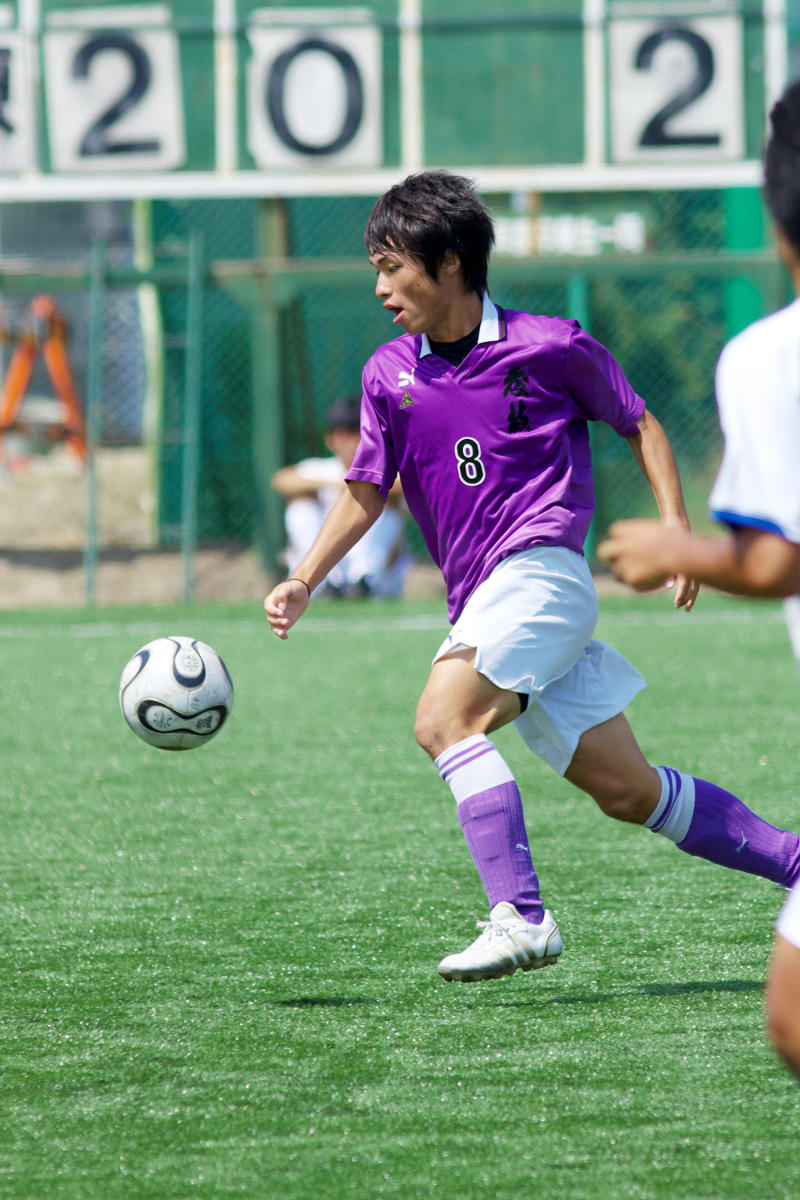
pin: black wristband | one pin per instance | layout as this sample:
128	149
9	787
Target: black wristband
294	579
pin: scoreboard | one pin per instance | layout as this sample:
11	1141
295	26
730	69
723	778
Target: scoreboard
235	97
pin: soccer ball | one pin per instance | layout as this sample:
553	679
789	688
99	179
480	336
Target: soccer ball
176	693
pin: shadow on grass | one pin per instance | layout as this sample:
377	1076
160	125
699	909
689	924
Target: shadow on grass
322	1001
689	988
714	985
535	996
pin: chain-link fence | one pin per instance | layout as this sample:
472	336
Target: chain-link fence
207	339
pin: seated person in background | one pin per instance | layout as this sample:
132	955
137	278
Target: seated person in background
379	563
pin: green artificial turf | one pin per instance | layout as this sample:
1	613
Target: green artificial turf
219	967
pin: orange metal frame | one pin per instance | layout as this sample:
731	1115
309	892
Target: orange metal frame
47	332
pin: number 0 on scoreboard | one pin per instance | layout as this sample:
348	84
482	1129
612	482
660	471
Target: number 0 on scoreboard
676	88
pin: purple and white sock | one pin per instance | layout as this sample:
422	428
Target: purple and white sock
705	820
490	813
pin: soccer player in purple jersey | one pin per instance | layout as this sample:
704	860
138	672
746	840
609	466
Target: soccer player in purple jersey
483	413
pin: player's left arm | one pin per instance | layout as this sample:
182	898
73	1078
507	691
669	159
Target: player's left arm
652	451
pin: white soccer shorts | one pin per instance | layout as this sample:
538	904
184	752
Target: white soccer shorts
789	917
791	614
530	624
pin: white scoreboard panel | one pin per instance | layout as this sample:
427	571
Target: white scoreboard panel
17	110
113	90
313	93
676	88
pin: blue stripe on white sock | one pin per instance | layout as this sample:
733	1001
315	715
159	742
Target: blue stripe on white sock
674	811
670	786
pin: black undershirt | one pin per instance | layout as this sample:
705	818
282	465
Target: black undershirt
456	352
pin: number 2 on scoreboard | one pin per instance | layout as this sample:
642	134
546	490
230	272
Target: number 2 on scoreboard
114	96
676	88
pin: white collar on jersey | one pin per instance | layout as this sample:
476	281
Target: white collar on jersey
489	330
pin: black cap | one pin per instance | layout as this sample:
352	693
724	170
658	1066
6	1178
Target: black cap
344	413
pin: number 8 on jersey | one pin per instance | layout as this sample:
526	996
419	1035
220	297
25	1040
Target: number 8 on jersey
468	456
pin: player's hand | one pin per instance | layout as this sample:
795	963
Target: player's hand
640	553
285	604
685	591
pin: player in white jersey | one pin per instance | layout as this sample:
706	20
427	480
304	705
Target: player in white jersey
379	563
757	495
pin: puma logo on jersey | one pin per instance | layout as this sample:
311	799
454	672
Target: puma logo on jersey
405	378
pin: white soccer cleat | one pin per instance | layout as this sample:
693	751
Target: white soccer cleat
508	942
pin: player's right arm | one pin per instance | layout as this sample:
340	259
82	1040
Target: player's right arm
355	511
652	451
749	562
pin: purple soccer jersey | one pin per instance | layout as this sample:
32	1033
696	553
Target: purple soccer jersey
493	454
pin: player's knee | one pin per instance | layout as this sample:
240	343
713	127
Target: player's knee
436	730
428	730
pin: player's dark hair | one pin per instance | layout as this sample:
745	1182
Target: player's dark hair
782	164
428	214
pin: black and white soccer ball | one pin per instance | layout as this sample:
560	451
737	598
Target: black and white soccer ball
176	693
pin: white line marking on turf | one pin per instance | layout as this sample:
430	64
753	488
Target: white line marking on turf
153	629
422	623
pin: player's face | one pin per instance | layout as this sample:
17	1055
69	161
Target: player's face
343	443
418	304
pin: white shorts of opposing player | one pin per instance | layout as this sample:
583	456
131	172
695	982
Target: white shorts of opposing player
789	917
791	614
